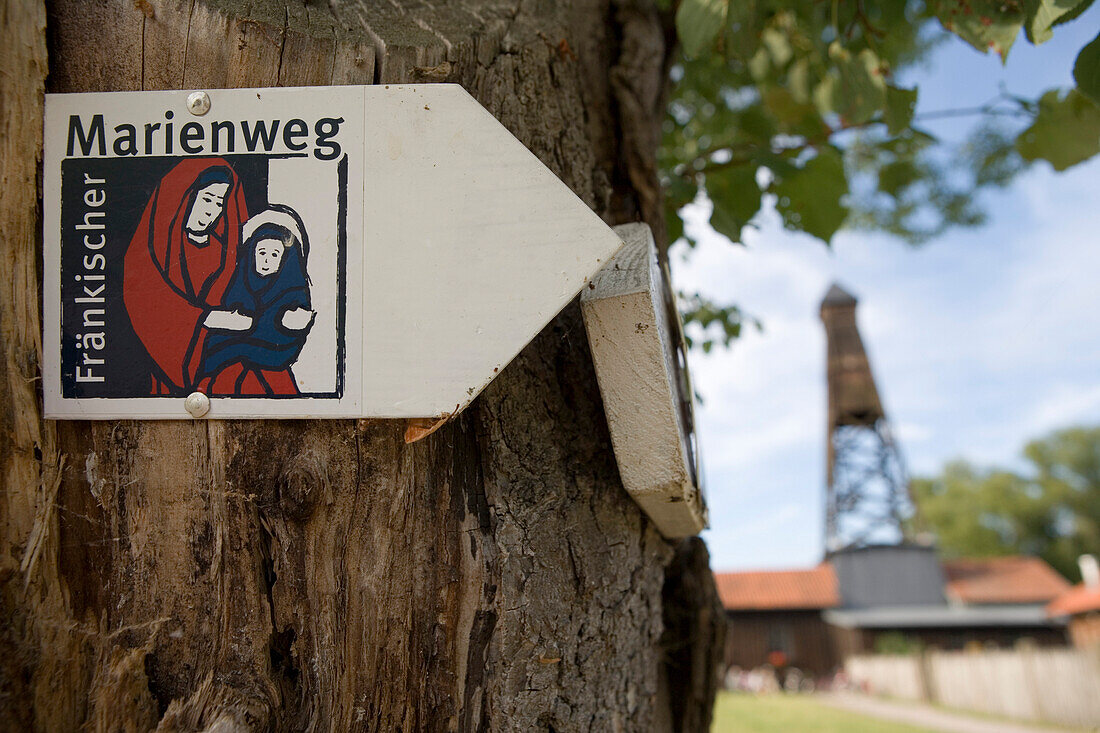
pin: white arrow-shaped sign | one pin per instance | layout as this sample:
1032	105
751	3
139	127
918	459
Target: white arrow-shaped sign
296	252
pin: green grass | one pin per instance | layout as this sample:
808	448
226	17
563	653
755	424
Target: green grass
743	713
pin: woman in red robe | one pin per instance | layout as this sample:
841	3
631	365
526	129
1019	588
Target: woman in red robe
178	265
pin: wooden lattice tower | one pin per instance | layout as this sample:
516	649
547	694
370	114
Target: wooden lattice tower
867	496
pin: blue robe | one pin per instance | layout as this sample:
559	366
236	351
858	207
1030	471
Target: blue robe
268	345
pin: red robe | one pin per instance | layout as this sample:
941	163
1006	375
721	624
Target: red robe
170	283
241	381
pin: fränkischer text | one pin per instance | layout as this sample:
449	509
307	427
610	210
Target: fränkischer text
91	296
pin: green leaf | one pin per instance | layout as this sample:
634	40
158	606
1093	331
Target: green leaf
1075	13
900	104
699	311
855	89
1042	15
827	94
990	153
984	24
753	124
791	116
1065	132
760	65
798	80
680	192
780	164
778	46
810	199
895	177
736	199
1086	70
698	23
674	225
677	194
782	105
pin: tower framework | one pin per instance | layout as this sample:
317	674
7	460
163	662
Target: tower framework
868	490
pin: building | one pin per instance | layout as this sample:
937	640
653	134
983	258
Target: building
862	598
780	610
1079	606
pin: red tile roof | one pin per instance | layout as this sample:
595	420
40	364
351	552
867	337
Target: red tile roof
779	589
971	581
1015	579
1077	599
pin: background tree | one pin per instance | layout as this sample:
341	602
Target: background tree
800	103
1052	510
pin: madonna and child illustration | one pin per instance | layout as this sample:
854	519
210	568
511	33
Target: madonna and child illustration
220	300
217	284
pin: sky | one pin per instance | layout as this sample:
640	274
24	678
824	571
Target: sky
979	341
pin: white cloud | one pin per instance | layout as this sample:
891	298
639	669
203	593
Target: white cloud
910	432
1064	406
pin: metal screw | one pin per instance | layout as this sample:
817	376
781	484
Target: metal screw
197	404
198	103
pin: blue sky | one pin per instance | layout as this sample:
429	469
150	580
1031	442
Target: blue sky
980	340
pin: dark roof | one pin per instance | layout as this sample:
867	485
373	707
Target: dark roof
779	589
1017	579
889	575
838	296
1078	599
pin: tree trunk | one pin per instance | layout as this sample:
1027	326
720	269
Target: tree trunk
319	575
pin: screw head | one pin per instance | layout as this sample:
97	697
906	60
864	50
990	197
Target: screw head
197	404
198	103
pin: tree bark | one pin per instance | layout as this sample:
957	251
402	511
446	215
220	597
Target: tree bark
324	575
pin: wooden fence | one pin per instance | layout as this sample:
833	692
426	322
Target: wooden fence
1060	686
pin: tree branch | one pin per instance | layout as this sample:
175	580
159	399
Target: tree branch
744	153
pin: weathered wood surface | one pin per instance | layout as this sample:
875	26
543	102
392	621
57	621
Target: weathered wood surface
325	575
33	615
1048	685
635	347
